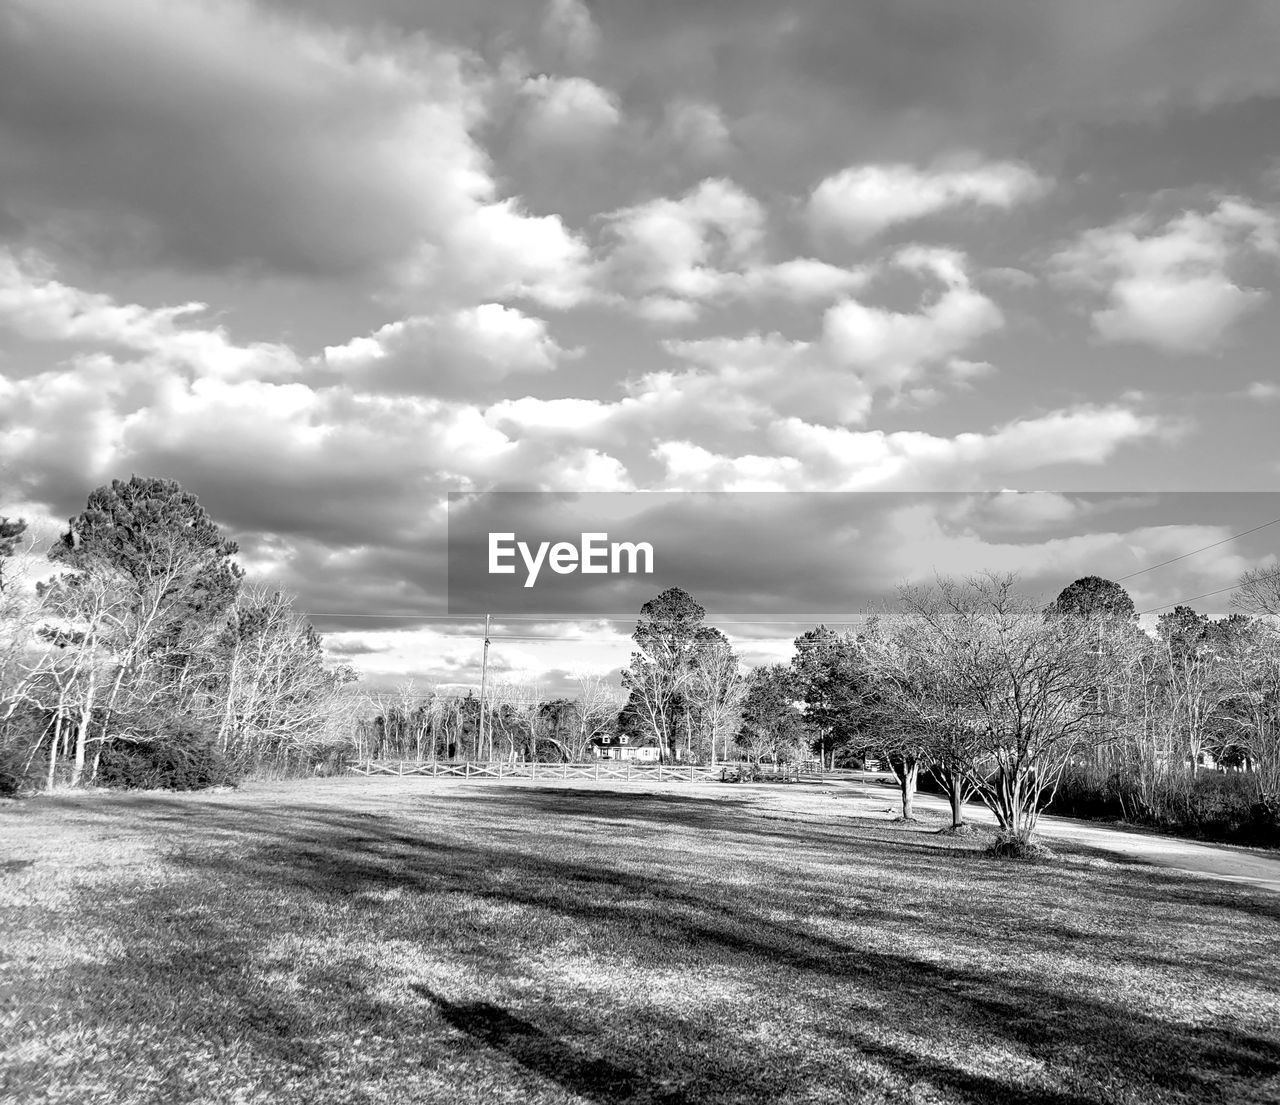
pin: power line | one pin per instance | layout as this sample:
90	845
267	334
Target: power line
1193	552
808	619
1193	598
373	614
502	619
1174	560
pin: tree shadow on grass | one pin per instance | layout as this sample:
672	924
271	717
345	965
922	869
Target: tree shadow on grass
756	820
1121	1052
1158	884
593	1078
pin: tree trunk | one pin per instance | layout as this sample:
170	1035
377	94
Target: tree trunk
910	771
957	801
53	750
82	730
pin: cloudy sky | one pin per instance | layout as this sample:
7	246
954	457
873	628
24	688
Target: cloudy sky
324	261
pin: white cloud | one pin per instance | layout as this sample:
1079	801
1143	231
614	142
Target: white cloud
892	348
690	467
569	111
1263	390
371	423
458	352
800	280
276	457
860	351
501	251
445	354
40	308
806	456
673	246
671	256
1171	287
861	202
767	375
562	418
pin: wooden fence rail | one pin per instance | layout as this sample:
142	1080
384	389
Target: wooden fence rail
599	769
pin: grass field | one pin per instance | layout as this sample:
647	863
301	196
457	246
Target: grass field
356	940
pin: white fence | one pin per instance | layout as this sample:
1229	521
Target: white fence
601	769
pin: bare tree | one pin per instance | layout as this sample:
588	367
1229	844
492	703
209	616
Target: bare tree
921	715
20	658
1020	682
717	688
514	708
1191	675
756	742
277	694
528	711
87	627
1258	592
1253	673
659	679
27	667
595	711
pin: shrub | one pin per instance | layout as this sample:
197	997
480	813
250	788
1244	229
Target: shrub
1263	826
1211	805
311	761
22	735
15	773
184	761
1011	845
740	773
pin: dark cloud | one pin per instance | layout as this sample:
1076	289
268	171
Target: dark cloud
763	556
811	86
227	137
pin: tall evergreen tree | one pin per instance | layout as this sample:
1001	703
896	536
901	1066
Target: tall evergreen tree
668	635
833	687
1093	597
151	530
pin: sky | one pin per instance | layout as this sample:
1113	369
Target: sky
324	262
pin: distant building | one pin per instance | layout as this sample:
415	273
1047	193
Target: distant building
621	748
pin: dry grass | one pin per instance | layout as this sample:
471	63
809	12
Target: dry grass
406	940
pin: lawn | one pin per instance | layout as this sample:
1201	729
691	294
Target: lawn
355	940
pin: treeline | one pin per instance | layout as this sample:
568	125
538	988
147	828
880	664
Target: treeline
148	660
685	693
976	687
518	722
981	691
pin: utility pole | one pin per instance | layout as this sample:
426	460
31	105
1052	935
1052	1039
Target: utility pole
484	680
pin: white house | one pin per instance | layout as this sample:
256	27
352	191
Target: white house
621	748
